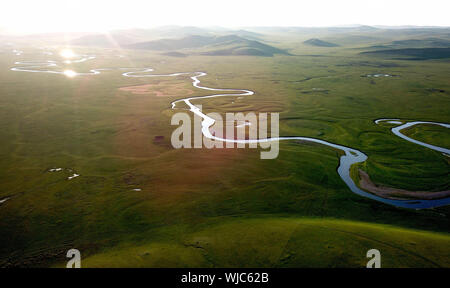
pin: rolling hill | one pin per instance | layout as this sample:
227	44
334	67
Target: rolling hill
428	42
414	43
319	43
282	243
412	53
211	45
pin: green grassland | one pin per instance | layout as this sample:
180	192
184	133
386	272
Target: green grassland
280	242
219	207
431	134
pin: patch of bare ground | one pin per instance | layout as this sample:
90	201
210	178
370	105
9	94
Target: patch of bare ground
158	89
394	193
143	129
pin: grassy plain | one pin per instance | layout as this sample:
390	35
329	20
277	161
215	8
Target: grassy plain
281	242
220	207
431	134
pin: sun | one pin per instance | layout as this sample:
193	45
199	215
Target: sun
67	53
70	73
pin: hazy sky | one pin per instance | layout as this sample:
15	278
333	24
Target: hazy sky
100	15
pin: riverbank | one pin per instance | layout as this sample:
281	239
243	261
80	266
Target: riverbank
394	193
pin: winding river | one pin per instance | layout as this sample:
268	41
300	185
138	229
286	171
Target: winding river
38	67
351	156
396	131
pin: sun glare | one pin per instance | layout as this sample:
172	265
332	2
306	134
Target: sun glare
67	53
70	73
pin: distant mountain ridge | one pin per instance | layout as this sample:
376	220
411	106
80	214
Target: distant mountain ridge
103	40
131	36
